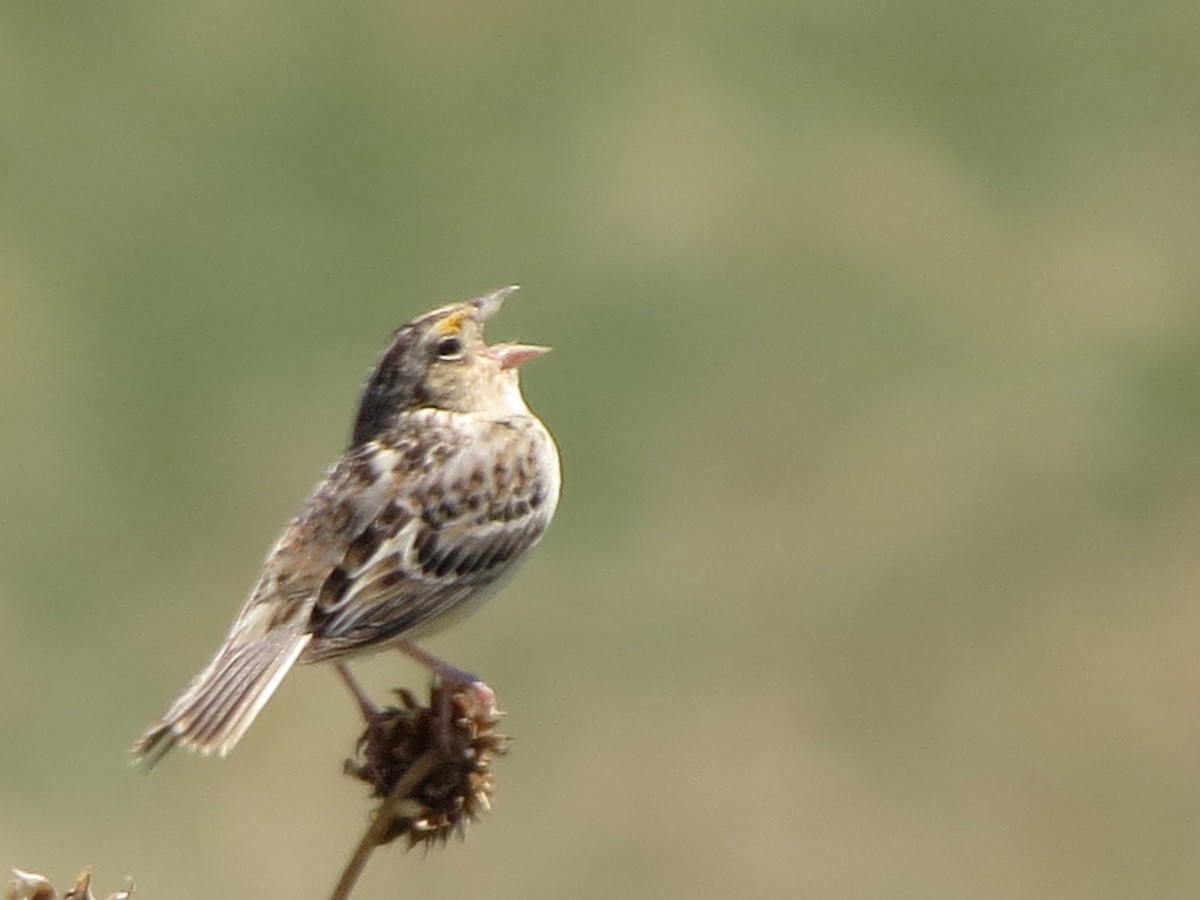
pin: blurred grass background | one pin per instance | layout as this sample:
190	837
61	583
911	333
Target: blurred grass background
877	382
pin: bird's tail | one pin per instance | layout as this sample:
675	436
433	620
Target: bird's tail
215	710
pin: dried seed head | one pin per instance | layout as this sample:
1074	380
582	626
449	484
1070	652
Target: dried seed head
454	786
30	886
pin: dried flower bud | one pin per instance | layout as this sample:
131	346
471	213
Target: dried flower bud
454	739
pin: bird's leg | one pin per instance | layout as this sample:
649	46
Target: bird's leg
369	710
452	679
376	734
452	675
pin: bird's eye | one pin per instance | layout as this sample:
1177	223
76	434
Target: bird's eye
449	348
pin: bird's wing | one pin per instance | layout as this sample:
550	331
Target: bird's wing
446	532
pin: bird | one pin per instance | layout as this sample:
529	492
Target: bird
447	482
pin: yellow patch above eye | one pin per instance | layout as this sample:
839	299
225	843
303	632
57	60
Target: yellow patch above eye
452	323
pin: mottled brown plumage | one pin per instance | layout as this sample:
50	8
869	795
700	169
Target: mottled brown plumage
448	481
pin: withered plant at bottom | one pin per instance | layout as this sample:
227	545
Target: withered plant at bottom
430	766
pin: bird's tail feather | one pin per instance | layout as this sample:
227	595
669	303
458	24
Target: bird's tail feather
215	710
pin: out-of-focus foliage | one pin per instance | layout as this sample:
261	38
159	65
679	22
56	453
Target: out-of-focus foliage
877	381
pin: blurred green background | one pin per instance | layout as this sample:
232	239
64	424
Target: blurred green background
877	383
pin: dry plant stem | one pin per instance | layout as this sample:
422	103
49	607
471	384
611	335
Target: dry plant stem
424	765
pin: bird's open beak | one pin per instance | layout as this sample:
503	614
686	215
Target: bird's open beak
509	355
489	304
513	355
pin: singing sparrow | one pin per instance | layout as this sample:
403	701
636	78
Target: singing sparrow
448	481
